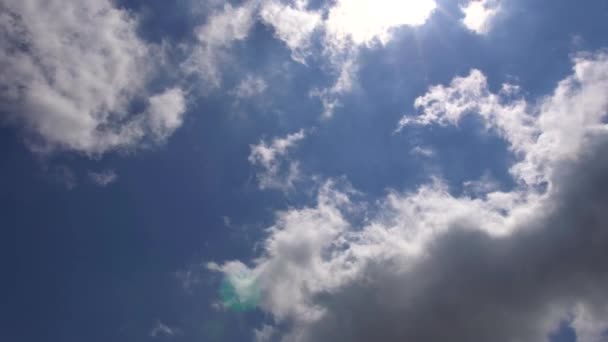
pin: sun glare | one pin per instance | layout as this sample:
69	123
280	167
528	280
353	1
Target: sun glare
364	21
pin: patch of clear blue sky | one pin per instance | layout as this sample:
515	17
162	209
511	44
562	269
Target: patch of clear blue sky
97	264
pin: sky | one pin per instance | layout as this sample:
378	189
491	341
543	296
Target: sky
304	170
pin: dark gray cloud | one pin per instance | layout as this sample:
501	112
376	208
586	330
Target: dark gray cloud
428	265
473	287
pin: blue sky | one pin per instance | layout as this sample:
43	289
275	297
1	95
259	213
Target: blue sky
356	170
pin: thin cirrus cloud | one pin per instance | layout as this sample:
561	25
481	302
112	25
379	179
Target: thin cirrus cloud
498	266
75	69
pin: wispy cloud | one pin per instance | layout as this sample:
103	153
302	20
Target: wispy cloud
249	87
163	330
224	27
103	178
275	171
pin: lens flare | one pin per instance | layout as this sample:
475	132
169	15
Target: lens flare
240	292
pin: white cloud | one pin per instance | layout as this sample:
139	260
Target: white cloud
422	151
541	134
499	266
103	178
330	97
294	25
590	323
366	21
487	184
351	25
250	86
74	67
163	330
347	26
479	15
165	113
275	170
223	28
343	27
264	334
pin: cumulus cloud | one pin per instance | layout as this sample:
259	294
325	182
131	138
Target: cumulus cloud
428	265
275	170
478	15
70	71
103	178
542	133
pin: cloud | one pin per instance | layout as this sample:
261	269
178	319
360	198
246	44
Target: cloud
342	29
366	22
351	25
264	334
422	151
73	68
249	87
165	113
478	15
332	35
542	133
162	330
274	170
294	25
215	38
330	97
103	178
428	265
482	186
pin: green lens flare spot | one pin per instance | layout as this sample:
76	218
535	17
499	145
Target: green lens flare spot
240	292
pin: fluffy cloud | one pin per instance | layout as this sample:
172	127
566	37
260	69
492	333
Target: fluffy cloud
71	71
165	113
543	133
275	171
478	15
501	266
